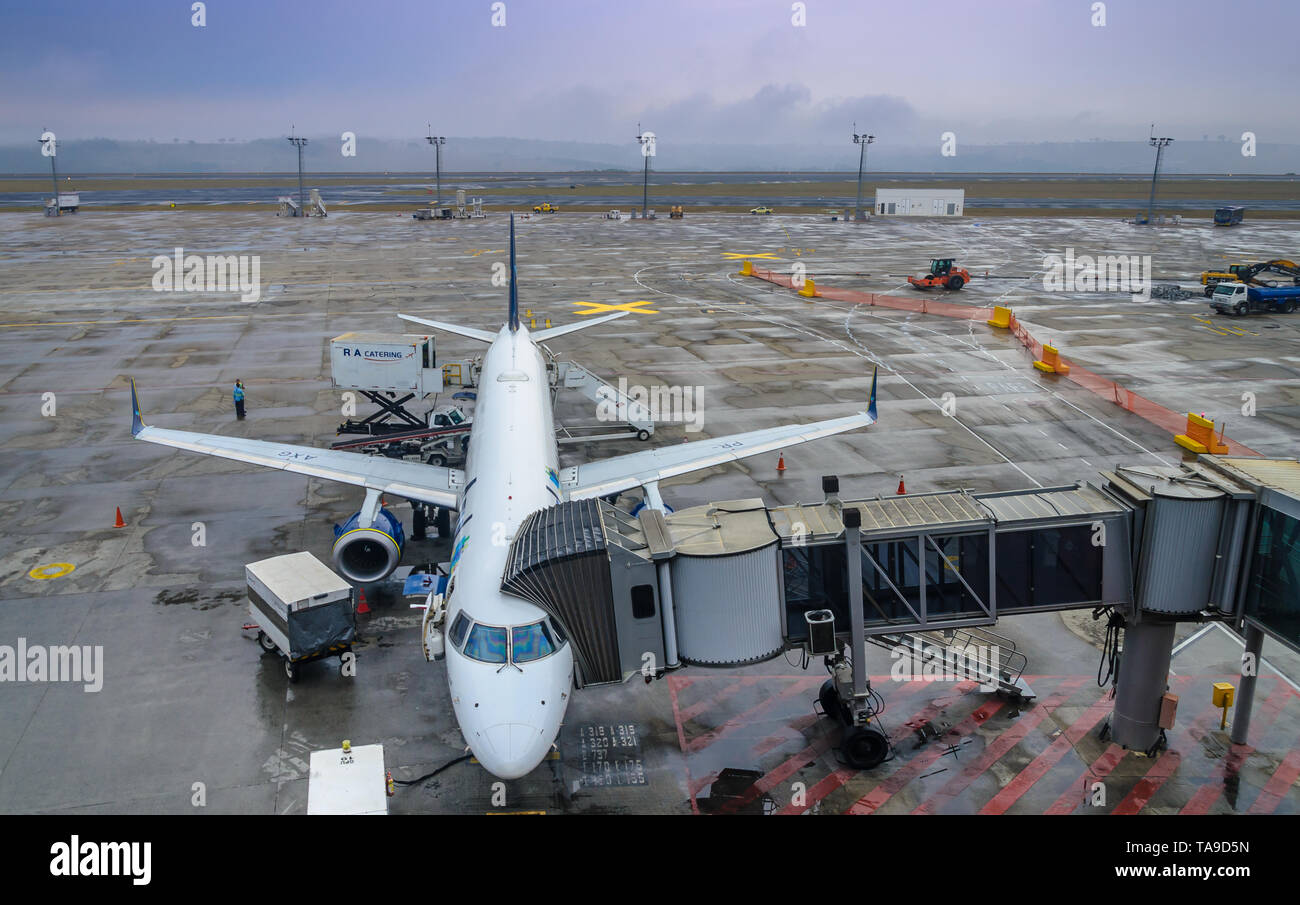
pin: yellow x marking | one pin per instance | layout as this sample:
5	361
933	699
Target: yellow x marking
736	256
475	252
590	308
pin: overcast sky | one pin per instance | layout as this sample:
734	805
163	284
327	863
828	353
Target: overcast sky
710	70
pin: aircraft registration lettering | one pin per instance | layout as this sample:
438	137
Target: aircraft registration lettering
290	454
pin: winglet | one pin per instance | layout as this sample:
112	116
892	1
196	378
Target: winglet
513	321
137	423
871	407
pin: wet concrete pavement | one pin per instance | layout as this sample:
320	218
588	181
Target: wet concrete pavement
190	698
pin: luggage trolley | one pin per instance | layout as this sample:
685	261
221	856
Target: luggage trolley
301	609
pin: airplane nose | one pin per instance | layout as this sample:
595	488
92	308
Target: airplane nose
516	749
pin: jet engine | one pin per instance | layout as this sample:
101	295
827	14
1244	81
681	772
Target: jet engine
370	553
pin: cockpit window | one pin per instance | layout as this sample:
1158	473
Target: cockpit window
531	642
486	643
558	631
458	629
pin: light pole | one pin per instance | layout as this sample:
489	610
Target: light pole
54	173
302	200
1159	144
648	142
437	141
861	141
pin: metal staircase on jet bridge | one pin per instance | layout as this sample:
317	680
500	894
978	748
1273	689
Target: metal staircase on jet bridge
974	653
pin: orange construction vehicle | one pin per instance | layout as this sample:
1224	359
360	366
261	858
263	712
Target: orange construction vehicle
943	273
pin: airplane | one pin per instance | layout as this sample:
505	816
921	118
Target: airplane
509	664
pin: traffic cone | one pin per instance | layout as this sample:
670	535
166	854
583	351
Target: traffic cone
119	523
780	462
362	606
901	488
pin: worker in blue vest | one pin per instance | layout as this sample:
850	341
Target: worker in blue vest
239	399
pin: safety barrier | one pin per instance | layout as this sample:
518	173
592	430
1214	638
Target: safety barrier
1166	419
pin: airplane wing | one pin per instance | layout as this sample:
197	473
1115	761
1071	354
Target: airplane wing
620	473
410	480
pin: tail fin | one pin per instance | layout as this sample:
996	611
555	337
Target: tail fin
513	321
871	406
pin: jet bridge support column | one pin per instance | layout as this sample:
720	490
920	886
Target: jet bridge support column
857	627
1142	681
1250	657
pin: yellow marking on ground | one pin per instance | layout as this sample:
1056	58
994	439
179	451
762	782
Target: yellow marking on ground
515	813
475	252
600	308
740	255
1222	329
51	570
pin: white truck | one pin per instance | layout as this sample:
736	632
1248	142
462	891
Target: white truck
67	202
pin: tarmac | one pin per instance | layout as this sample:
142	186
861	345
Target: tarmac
188	697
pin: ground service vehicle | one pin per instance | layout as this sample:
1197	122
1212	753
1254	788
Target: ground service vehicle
1240	299
943	273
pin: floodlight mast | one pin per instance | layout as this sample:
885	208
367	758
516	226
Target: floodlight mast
1159	144
648	141
861	141
54	173
302	199
437	141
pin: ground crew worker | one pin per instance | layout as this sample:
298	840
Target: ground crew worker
239	399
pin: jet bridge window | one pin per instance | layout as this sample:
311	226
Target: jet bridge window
487	643
531	642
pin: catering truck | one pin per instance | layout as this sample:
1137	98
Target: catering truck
1240	299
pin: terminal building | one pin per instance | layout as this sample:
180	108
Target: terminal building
920	202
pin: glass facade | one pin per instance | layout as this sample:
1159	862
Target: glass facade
816	578
1273	590
1048	567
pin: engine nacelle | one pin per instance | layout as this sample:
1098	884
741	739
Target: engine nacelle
363	555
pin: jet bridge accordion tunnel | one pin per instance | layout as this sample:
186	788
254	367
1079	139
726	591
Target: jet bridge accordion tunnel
734	582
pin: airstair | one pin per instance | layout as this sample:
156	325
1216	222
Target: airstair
612	406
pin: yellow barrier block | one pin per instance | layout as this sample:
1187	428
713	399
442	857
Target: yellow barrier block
747	269
1001	317
809	289
1222	694
1051	363
1200	436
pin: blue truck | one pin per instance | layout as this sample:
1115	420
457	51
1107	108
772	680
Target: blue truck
1240	299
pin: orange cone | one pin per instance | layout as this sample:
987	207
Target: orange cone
119	523
780	462
901	488
362	606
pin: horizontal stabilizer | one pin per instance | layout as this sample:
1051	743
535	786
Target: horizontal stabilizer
482	336
542	336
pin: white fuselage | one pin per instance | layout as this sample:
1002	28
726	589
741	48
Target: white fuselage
509	713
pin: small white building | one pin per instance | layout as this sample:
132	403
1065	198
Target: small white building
920	202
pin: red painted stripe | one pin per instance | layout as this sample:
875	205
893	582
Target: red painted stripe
792	729
1072	797
736	722
877	797
782	772
1038	767
730	690
1166	764
1208	795
1000	746
1279	784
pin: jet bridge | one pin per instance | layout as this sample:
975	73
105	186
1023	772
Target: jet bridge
738	582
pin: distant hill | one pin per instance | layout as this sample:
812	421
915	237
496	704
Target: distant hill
322	154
